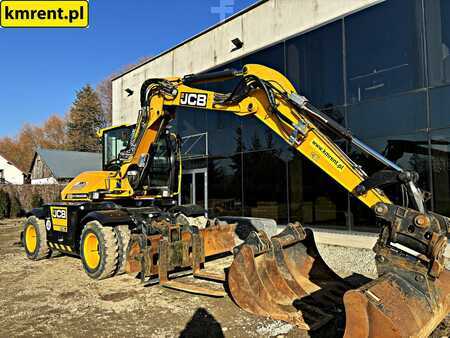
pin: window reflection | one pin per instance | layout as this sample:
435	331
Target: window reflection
190	121
384	50
438	40
392	127
314	65
256	136
225	186
314	198
440	107
397	115
265	186
224	128
408	151
440	159
224	133
272	57
381	65
191	126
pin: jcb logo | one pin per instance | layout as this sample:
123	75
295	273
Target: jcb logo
59	213
194	99
59	218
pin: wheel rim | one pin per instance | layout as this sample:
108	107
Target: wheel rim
31	239
91	252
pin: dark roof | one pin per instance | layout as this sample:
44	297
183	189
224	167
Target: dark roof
69	164
241	12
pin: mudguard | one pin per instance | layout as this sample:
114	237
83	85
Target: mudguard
108	217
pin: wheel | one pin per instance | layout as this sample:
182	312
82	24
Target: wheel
123	239
99	250
35	239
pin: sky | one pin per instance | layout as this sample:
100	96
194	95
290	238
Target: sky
41	69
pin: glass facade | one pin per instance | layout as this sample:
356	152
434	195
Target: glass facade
383	72
384	50
314	64
437	17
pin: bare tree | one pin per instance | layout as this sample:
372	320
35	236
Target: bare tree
104	88
20	149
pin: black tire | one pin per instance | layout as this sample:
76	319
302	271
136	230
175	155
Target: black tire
107	250
36	247
123	238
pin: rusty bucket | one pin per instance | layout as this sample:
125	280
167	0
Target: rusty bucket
285	278
401	303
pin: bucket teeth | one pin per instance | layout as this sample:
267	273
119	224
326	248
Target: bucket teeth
275	282
285	278
252	291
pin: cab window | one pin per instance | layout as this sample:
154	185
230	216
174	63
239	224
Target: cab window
114	141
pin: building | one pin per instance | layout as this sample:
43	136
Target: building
381	68
9	173
61	166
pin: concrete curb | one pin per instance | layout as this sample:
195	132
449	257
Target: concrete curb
358	240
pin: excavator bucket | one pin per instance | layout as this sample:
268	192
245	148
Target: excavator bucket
403	302
285	278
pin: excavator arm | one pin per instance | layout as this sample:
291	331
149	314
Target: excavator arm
270	97
413	285
267	95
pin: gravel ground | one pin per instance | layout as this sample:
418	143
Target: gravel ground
55	298
348	260
351	259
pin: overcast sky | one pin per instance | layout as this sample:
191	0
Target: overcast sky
42	68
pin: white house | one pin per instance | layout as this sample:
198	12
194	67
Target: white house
9	173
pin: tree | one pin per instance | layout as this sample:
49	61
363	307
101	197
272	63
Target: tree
104	88
20	149
85	118
104	92
54	133
10	150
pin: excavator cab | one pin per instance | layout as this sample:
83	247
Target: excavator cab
114	140
163	162
165	166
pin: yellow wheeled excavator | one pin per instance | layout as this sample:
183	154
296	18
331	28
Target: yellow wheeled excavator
125	218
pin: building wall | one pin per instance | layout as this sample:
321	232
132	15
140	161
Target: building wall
10	173
40	172
384	72
265	24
